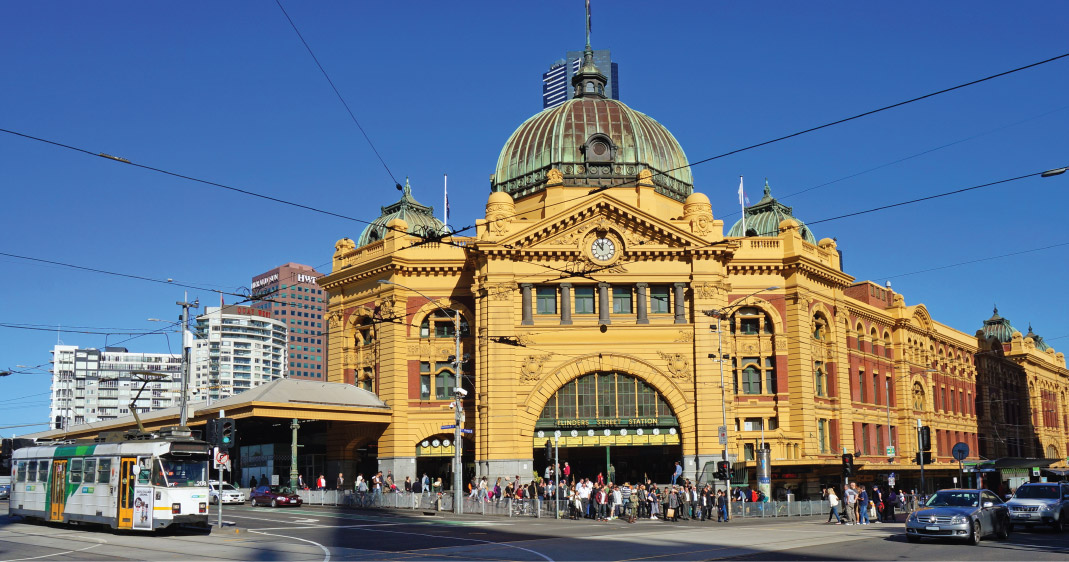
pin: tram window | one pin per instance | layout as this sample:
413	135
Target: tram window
21	476
104	471
90	471
184	473
157	474
143	472
42	470
31	471
75	471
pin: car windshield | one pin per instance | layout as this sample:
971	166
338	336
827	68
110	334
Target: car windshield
954	499
184	473
228	487
1037	493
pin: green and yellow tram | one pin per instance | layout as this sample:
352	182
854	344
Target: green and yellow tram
143	482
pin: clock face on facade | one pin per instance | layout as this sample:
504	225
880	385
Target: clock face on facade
603	249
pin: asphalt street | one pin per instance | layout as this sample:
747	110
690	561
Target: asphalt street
325	533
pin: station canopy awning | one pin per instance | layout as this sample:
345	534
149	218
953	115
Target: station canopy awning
283	399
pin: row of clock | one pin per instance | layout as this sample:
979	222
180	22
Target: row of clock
608	432
437	443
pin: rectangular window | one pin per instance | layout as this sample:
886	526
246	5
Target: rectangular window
31	471
546	300
425	387
566	401
753	424
90	470
549	411
586	400
865	439
876	388
773	424
626	396
444	382
647	398
659	299
21	476
607	395
861	385
879	440
770	375
751	376
621	299
749	325
821	381
75	471
748	449
584	300
104	471
943	397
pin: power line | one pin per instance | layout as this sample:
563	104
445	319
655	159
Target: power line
847	119
337	93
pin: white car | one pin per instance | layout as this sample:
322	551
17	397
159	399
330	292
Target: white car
230	493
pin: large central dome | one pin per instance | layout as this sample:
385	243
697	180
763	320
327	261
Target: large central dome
593	141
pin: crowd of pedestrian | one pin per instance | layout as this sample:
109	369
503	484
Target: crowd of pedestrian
862	504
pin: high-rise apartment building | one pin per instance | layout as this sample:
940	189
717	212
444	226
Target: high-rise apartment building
90	385
237	348
296	300
557	81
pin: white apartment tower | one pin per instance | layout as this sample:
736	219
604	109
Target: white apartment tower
236	348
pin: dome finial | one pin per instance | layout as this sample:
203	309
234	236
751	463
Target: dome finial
589	82
768	190
408	188
588	25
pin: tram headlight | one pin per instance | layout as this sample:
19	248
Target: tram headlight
176	508
203	507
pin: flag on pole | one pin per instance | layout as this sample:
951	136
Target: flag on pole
445	189
743	199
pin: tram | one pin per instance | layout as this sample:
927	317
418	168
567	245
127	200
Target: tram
137	481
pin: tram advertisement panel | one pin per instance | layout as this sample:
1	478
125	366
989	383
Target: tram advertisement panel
143	507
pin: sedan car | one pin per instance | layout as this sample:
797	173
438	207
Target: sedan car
1040	503
275	496
960	514
5	492
229	493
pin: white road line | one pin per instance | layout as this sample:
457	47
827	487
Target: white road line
323	527
102	541
505	544
326	552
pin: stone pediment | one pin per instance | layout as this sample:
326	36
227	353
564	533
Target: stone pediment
629	228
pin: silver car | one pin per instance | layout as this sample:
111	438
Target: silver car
229	493
959	514
1040	503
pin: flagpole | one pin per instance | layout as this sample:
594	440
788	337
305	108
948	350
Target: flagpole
445	201
742	205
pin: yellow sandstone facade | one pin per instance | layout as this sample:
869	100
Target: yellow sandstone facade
601	298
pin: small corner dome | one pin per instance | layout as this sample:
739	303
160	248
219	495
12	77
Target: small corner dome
414	218
497	197
766	217
697	198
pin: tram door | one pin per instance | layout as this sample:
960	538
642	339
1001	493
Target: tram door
58	491
127	479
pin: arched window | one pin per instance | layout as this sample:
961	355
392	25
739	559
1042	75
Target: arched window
750	321
820	326
918	397
860	337
440	324
887	345
605	395
751	380
1052	452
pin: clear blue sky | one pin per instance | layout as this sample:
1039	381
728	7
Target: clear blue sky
225	91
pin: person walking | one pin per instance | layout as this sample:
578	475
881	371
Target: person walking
850	495
341	482
863	506
675	475
833	503
321	483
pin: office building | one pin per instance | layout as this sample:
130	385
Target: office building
91	385
236	348
556	82
296	300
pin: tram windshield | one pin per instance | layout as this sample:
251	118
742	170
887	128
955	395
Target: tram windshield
183	473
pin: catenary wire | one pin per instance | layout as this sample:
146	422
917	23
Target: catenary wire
336	92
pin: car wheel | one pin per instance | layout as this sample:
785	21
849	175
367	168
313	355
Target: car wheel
913	538
977	533
274	503
1059	525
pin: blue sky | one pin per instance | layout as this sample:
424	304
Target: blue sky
224	91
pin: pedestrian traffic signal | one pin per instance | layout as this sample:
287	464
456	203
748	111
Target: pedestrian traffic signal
723	470
926	438
211	431
549	450
927	458
848	464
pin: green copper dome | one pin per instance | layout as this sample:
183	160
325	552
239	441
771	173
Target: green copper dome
1037	339
763	218
592	141
998	327
420	218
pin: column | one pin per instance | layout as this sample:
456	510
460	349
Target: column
565	304
681	311
525	291
603	303
640	295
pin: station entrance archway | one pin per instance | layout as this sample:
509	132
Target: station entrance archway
613	423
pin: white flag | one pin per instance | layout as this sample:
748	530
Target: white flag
742	194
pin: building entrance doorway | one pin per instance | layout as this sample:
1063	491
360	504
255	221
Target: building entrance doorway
610	423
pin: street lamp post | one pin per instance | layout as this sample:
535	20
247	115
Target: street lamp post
458	395
719	315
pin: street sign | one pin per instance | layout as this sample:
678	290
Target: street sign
1035	471
891	452
891	481
449	427
467	430
222	460
960	451
723	435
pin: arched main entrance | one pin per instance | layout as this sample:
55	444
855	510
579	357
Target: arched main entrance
613	423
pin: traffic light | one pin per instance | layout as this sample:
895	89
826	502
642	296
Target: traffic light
927	458
926	438
211	431
5	456
848	464
723	470
228	433
549	451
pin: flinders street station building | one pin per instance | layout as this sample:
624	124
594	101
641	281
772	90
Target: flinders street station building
602	305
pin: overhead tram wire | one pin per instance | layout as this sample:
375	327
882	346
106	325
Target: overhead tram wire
338	93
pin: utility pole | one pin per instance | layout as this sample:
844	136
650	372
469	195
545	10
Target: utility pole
458	429
185	354
920	454
294	426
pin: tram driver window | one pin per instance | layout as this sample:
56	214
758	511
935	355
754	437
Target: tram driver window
143	471
21	476
31	471
157	475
